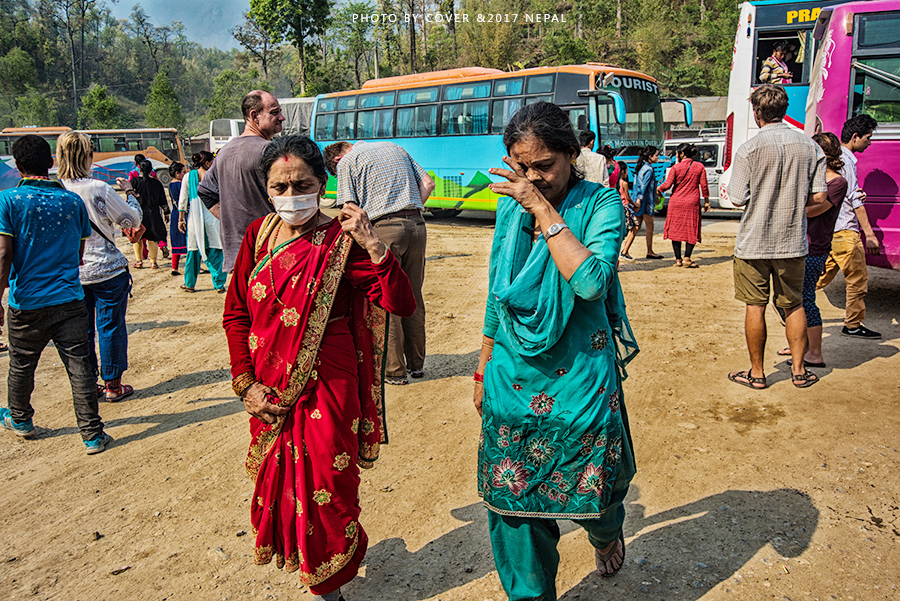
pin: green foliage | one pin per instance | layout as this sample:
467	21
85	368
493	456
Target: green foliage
230	87
163	109
99	110
35	109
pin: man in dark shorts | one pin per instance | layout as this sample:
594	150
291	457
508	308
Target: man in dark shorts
775	175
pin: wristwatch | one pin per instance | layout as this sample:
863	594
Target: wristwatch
554	229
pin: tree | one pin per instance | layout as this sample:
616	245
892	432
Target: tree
256	40
293	20
229	90
155	38
354	34
99	110
16	74
36	109
163	109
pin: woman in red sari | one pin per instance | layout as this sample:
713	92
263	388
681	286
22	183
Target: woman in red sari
305	321
683	215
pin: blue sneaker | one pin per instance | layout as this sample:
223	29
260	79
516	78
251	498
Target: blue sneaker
23	429
98	444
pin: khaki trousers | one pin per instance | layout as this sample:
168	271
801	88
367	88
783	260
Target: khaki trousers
849	255
406	237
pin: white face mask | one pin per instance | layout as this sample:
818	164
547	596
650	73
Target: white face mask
296	210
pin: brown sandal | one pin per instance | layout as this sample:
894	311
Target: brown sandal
804	380
602	558
750	379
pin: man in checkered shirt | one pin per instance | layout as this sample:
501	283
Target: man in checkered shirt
392	188
775	176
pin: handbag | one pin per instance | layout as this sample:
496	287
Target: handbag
134	234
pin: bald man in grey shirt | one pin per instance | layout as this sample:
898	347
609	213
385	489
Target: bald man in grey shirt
234	188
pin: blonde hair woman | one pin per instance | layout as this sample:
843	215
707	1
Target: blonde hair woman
104	273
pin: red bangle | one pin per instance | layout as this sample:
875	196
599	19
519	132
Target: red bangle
478	377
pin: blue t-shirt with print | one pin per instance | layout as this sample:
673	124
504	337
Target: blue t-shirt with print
47	224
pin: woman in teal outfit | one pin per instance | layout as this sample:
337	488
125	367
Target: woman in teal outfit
555	441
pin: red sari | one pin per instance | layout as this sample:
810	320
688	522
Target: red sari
308	320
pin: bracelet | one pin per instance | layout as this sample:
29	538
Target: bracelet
383	257
478	377
241	383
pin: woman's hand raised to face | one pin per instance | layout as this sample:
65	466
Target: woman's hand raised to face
519	187
356	222
257	404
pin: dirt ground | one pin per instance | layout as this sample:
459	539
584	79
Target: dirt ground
740	494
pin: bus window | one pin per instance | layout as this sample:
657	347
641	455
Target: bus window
877	96
346	103
578	117
365	124
344	126
134	145
795	53
534	99
325	127
5	147
481	89
108	145
417	121
508	87
503	112
708	154
417	96
875	89
52	143
384	123
540	84
326	104
221	128
376	100
464	118
148	142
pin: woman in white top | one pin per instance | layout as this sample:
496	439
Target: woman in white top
104	272
203	239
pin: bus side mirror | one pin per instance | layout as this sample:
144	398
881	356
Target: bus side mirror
688	109
618	105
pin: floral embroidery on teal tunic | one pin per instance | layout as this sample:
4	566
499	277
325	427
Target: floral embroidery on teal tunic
554	436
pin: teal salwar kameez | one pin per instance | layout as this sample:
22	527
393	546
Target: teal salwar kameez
555	441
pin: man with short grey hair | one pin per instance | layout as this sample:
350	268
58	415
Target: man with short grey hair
234	189
775	175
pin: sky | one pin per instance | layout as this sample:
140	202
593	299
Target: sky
207	23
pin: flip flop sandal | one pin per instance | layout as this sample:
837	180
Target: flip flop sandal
691	265
395	381
101	391
602	558
124	391
750	380
654	256
679	264
804	380
186	289
138	264
3	347
785	352
154	265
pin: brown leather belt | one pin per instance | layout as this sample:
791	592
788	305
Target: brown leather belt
406	213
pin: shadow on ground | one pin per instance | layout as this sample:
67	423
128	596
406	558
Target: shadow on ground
152	325
685	551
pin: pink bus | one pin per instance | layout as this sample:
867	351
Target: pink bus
857	70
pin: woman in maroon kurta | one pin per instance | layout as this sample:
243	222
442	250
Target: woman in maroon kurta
683	214
305	321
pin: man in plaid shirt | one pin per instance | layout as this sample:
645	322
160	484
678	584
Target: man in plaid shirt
382	179
775	175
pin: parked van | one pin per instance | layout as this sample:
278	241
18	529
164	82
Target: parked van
710	152
221	131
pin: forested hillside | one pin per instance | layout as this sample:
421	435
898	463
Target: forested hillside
69	62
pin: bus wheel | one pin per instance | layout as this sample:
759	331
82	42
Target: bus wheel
164	177
445	212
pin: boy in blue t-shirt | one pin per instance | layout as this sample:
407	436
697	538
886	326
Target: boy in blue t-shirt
42	232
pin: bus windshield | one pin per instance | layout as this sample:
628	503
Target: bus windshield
643	118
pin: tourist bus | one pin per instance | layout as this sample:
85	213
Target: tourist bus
114	151
857	71
452	121
763	23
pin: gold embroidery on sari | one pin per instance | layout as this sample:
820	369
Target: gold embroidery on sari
354	427
350	530
253	342
258	291
298	506
368	426
341	461
262	555
292	562
318	238
330	567
309	349
316	414
322	497
290	317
